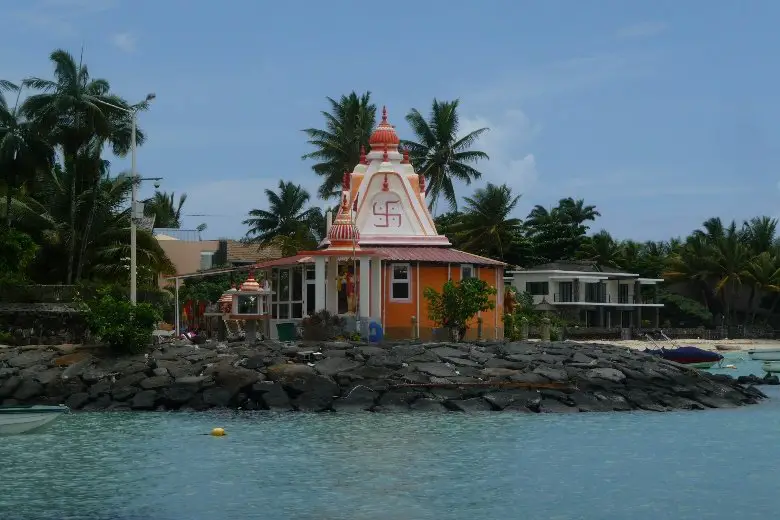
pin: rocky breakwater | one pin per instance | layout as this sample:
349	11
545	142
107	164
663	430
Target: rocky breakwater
518	377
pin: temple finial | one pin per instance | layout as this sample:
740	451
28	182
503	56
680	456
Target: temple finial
384	114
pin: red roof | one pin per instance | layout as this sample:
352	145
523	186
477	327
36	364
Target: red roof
441	255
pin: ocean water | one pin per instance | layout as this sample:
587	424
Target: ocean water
718	464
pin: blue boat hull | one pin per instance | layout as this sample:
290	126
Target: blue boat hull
687	355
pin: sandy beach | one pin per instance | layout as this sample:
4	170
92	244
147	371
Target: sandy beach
736	345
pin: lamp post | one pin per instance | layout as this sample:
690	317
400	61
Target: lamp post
133	111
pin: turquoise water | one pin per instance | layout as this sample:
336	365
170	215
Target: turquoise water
690	465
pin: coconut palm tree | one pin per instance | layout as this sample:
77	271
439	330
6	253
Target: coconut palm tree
348	127
486	226
74	111
166	214
440	153
287	218
45	213
23	149
602	249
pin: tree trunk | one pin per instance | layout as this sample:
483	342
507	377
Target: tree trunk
8	208
88	227
72	223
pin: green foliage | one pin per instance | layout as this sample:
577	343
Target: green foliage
6	338
323	326
682	311
209	288
441	152
127	328
17	251
459	303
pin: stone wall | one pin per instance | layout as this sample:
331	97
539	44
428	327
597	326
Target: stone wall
42	323
519	377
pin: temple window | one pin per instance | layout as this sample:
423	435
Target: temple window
287	300
466	271
400	289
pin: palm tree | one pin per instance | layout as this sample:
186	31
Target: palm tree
486	226
763	272
23	150
286	218
166	214
348	127
45	213
440	154
602	249
73	109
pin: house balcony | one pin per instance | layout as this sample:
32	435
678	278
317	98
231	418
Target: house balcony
606	299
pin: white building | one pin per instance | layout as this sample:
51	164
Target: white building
594	295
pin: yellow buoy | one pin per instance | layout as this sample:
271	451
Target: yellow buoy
218	432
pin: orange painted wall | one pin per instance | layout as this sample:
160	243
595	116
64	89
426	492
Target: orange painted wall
398	315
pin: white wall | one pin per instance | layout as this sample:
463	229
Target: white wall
520	279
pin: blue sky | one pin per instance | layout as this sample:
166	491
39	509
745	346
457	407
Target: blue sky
661	113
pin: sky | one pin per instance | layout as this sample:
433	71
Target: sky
661	114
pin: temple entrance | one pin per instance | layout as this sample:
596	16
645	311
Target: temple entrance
346	285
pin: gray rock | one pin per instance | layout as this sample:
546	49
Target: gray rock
273	397
101	403
589	403
27	390
160	371
100	388
553	406
129	380
502	399
123	393
370	350
8	388
92	375
197	381
177	395
47	376
499	373
30	358
217	396
529	378
462	362
476	404
145	400
504	363
580	357
358	398
77	401
155	382
553	374
335	353
235	378
607	374
335	365
447	352
8	372
434	369
426	404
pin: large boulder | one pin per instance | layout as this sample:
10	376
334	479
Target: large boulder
335	365
358	398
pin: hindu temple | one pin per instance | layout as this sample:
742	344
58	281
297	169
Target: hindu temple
380	253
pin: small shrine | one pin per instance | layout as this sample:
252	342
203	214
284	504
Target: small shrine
380	252
246	306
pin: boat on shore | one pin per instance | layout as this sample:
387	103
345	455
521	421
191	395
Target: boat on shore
771	367
16	419
689	355
765	354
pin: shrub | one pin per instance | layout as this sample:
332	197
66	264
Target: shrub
17	251
458	303
322	326
127	328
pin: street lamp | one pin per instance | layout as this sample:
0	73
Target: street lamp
133	111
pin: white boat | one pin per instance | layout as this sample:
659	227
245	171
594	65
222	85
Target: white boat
772	367
765	354
21	419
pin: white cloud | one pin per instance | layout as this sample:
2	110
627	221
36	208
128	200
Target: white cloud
641	30
507	144
61	17
224	204
125	41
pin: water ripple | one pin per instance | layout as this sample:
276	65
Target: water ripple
124	466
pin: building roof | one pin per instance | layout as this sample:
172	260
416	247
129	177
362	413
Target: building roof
250	253
443	255
577	266
439	255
